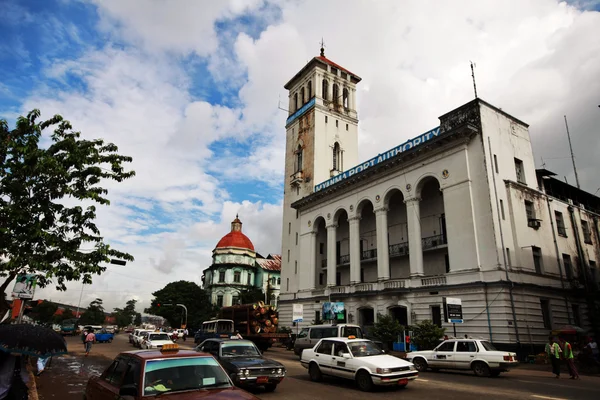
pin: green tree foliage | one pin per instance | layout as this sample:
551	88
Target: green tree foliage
125	316
44	312
427	335
94	314
187	293
251	296
387	329
138	319
39	233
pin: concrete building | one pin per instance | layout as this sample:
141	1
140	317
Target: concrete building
458	211
236	266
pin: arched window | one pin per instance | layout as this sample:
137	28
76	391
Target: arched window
309	90
336	93
337	159
302	99
345	97
325	89
299	159
295	101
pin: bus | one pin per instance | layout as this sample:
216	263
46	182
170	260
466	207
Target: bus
216	328
70	327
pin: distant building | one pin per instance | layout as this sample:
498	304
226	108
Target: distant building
459	211
236	267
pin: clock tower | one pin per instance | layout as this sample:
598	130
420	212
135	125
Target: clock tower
321	142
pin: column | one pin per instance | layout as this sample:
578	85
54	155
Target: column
318	89
330	88
307	262
415	248
331	254
383	250
354	223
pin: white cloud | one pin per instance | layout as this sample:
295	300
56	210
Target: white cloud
538	63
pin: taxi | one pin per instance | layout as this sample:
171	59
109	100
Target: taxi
170	373
156	340
358	359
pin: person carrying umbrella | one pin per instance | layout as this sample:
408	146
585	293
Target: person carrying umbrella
14	378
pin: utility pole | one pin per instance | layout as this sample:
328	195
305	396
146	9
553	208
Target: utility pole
572	155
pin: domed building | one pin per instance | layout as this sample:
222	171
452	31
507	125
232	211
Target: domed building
236	267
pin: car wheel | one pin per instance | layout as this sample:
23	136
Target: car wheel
270	387
364	381
481	369
315	372
420	364
495	373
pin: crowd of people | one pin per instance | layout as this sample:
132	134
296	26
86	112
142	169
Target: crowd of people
560	349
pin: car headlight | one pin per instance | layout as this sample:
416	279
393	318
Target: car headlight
280	371
244	372
412	368
383	370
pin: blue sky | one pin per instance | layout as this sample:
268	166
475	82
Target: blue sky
190	90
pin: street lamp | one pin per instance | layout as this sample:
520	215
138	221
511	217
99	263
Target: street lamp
180	305
112	261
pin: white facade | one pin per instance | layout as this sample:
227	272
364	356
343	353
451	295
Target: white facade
445	217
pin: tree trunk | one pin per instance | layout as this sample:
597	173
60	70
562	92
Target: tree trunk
4	306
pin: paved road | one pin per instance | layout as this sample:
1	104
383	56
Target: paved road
66	380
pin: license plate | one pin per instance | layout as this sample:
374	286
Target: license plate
262	379
403	382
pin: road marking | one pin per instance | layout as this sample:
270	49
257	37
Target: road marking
422	380
547	397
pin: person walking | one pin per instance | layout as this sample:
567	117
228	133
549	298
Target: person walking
554	351
592	347
185	334
90	339
14	379
568	355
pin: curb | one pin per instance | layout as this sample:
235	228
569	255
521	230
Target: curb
33	393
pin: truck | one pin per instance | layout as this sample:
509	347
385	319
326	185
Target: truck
255	322
70	327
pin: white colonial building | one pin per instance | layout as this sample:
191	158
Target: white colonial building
236	267
459	211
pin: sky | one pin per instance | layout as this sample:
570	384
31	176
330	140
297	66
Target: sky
190	89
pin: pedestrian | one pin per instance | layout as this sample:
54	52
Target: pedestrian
14	379
592	347
185	334
238	335
553	350
568	355
90	339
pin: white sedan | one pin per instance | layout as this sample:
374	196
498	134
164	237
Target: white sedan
156	341
466	354
357	359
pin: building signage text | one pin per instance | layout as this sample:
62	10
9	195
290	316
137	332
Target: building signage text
380	158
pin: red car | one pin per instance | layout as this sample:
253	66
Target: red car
171	373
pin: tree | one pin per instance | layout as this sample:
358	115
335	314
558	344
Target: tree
94	314
253	295
187	293
44	312
427	335
125	316
387	330
39	232
138	319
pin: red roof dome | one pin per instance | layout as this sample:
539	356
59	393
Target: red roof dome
235	238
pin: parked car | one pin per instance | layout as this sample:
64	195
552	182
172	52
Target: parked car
244	363
137	334
308	337
181	374
465	354
358	359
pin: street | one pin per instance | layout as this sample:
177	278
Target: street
67	376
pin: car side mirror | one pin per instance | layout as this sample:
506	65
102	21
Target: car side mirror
128	390
346	355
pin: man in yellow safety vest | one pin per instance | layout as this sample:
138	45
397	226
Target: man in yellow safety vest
568	355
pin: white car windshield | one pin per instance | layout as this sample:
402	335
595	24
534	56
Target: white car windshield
364	349
239	350
159	336
179	374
